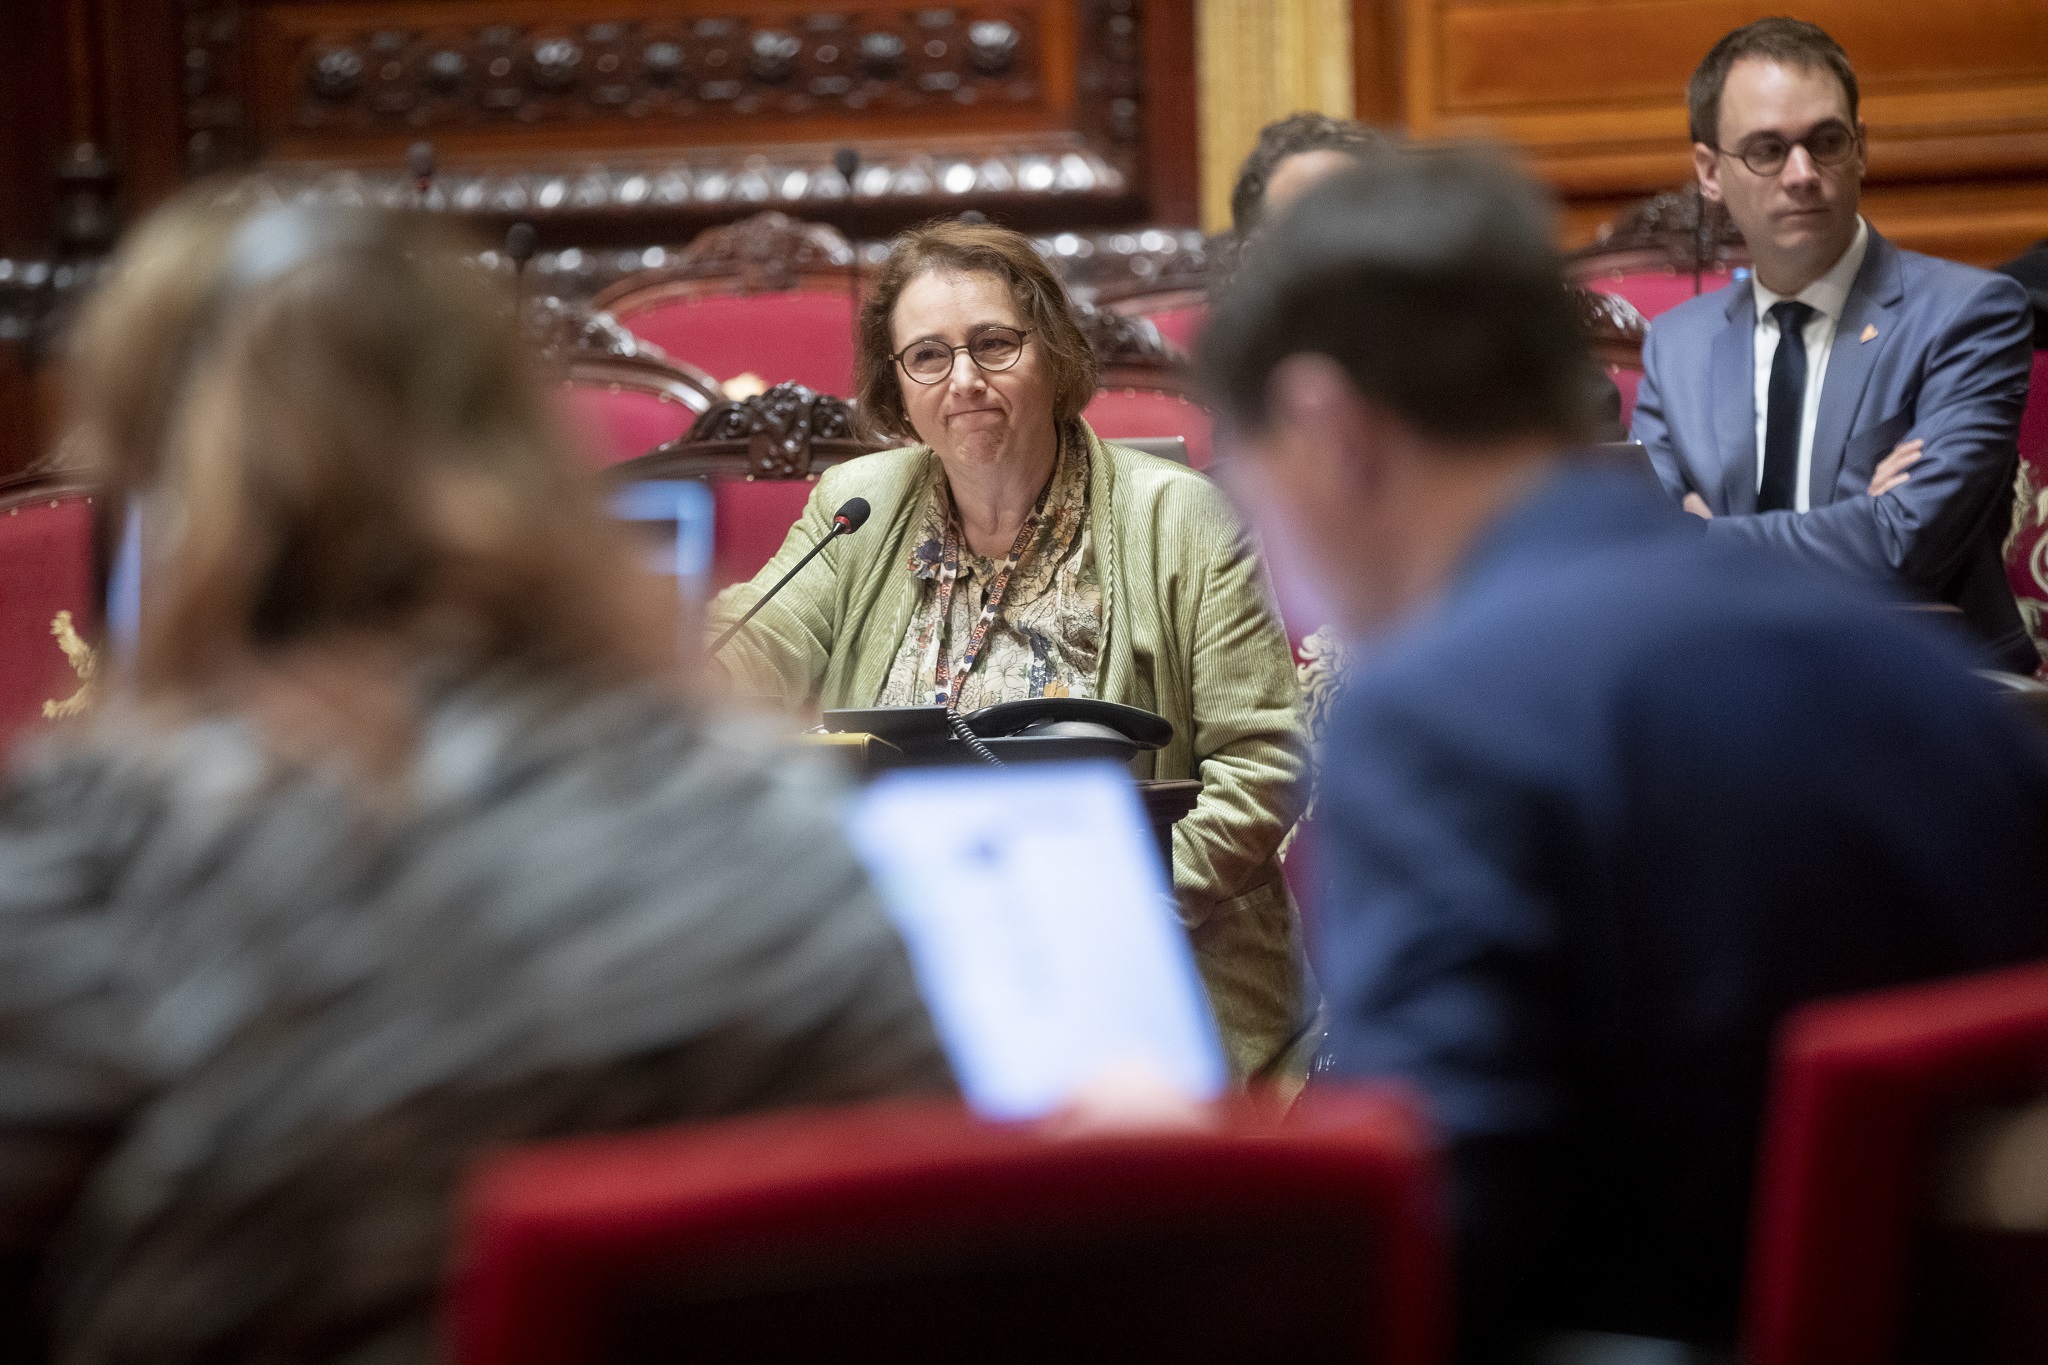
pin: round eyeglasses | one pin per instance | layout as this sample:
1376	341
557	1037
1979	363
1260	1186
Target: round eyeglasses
990	348
1828	145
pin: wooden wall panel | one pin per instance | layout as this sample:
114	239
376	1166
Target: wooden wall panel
1593	91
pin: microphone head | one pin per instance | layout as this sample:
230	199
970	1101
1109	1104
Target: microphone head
520	240
846	161
852	515
420	159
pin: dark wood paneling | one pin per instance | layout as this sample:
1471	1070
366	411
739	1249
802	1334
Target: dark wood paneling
34	109
1173	147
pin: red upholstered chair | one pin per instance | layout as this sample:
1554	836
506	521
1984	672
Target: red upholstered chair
620	409
1143	384
1161	275
1181	325
1663	251
767	296
48	607
1177	313
1615	331
1657	291
1865	1090
911	1232
1120	412
761	456
2026	549
620	396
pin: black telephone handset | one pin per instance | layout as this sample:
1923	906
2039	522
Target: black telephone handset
1033	729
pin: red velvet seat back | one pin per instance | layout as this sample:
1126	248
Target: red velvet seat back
1863	1089
1657	291
1147	412
750	520
45	567
804	335
1182	326
913	1233
613	423
2026	560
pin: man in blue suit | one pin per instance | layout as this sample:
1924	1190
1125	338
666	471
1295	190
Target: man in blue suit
1604	795
1852	403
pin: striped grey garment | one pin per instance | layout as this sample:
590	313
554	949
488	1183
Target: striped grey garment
252	1030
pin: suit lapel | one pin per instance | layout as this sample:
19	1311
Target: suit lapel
1734	390
1878	288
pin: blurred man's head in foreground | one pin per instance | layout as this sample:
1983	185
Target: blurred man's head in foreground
327	420
1394	360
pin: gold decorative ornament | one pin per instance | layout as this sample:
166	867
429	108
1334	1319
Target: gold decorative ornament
84	662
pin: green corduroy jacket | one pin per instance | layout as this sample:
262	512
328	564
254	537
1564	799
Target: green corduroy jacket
1189	632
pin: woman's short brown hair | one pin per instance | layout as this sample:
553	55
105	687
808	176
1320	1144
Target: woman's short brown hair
968	249
329	419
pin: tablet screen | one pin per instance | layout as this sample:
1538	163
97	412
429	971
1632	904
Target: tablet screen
676	515
1042	929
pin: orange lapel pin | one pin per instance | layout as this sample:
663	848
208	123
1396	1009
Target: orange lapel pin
1869	331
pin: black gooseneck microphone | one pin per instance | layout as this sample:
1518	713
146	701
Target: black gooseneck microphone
520	241
847	162
850	517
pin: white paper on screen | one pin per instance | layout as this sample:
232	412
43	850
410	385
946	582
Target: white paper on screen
1042	930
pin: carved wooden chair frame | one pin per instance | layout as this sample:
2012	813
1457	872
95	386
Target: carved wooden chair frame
768	253
1615	329
788	432
1677	232
590	349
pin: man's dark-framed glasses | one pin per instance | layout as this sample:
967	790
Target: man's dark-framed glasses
1766	154
991	348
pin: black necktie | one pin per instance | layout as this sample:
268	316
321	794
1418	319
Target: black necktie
1787	405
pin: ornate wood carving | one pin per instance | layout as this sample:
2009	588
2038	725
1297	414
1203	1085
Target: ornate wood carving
789	432
1111	267
1677	231
645	63
591	348
1125	343
1614	327
273	80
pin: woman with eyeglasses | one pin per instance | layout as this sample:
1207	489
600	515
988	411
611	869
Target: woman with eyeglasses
1012	553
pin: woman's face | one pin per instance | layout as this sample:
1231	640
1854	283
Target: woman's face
973	418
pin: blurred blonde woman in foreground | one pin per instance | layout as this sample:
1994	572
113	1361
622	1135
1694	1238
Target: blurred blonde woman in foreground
396	835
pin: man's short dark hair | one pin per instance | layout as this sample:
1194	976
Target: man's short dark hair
1789	42
1291	136
1431	277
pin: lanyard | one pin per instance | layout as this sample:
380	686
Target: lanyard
946	688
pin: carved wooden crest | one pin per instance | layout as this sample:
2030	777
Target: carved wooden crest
1121	342
766	253
561	332
592	348
781	432
1677	230
1614	328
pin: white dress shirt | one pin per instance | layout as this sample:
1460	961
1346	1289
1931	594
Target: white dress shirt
1827	296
